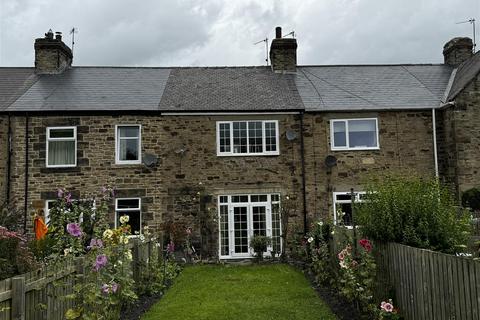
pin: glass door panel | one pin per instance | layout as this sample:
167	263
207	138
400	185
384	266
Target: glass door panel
240	225
259	220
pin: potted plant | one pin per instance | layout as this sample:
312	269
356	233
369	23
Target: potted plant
259	245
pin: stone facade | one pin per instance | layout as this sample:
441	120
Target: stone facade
460	161
52	56
283	53
406	144
185	184
457	50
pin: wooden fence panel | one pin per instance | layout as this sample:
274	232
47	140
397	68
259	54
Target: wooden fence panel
429	285
40	294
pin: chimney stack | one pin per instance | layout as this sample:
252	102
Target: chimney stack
283	53
457	51
52	56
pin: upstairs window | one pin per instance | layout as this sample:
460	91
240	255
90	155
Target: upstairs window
354	134
128	141
237	138
61	147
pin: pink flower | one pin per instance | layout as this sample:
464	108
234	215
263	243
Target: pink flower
68	198
386	306
95	243
100	262
341	256
366	244
105	288
171	247
188	231
60	193
114	287
74	230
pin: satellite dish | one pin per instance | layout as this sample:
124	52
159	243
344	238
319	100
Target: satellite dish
291	135
330	161
150	160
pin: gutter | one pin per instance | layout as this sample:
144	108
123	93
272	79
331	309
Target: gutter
435	153
304	189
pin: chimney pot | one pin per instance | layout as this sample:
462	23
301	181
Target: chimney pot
49	34
278	32
58	36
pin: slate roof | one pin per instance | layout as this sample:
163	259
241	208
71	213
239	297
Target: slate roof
223	89
465	73
372	87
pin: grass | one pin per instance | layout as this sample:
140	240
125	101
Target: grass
240	293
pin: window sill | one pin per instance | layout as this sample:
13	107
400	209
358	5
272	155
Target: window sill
355	149
248	154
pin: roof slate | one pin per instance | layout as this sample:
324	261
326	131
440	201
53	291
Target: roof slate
468	70
13	83
372	87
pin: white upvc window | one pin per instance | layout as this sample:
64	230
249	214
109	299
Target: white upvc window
354	134
342	206
128	141
130	207
46	212
61	147
247	138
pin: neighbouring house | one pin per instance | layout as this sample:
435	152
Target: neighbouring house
233	144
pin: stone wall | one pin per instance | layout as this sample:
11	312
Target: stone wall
461	159
179	188
406	145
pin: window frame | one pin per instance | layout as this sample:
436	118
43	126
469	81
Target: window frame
47	142
335	201
139	209
117	144
248	153
347	138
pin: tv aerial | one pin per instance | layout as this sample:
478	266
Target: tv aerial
472	22
72	32
266	48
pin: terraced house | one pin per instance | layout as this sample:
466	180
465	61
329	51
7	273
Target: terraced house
232	143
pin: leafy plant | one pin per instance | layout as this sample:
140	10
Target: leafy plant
414	211
10	217
471	199
15	256
259	245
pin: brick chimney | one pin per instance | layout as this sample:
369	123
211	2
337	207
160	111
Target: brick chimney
283	53
52	56
457	50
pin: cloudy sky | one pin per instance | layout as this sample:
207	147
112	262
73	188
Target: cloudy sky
222	32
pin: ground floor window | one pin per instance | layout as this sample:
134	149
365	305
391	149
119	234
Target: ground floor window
243	216
129	207
342	206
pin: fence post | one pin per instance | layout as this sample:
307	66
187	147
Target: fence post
135	261
18	298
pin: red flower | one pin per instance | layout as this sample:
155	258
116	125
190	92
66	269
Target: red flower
366	244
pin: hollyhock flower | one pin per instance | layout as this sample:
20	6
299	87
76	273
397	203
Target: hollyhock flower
341	256
107	234
105	288
366	244
188	231
100	261
129	255
68	198
320	223
114	287
310	240
388	307
60	193
343	265
354	263
171	247
74	229
124	219
95	243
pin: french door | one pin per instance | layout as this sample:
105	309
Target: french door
243	216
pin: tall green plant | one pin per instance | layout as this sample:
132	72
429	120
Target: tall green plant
416	212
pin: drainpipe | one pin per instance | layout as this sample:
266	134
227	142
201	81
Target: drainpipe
26	175
304	191
435	154
9	158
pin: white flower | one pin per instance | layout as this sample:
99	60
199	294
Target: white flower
123	239
129	255
343	265
67	251
310	240
287	197
320	223
124	219
142	238
333	232
107	234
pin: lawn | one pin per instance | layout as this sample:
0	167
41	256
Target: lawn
240	293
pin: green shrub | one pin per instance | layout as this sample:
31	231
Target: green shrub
259	245
414	211
15	256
